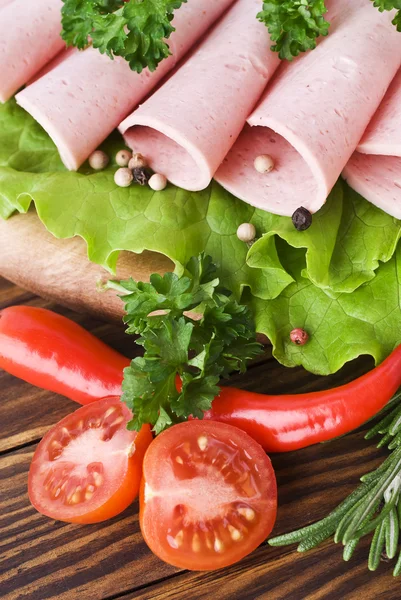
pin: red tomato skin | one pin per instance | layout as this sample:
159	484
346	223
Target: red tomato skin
54	353
155	457
120	500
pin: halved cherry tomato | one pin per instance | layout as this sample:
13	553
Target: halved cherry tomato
208	495
88	467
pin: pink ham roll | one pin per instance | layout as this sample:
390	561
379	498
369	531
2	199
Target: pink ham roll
29	38
314	114
86	96
187	127
374	171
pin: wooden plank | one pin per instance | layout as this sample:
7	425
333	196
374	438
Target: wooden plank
57	269
42	559
265	575
311	483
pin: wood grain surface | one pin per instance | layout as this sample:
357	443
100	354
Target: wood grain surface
42	559
60	270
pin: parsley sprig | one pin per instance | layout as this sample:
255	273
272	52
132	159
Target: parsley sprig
136	30
375	506
194	332
384	5
294	25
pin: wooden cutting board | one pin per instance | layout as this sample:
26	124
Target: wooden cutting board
59	270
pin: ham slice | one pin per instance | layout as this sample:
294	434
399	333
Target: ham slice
374	171
187	127
86	96
29	38
315	112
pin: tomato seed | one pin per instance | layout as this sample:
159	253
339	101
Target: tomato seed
218	545
186	447
248	513
109	412
179	460
98	478
235	533
202	442
179	538
131	450
196	544
117	421
76	497
65	432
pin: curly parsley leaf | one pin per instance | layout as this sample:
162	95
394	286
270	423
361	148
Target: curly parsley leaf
384	5
294	25
137	30
193	331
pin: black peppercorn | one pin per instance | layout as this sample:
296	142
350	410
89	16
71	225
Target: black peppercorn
302	219
141	175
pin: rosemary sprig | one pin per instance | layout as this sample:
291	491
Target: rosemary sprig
375	506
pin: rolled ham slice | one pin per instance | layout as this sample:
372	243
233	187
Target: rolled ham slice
29	38
187	127
374	171
315	112
86	96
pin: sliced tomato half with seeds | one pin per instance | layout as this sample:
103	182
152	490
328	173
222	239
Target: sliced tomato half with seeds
208	497
88	467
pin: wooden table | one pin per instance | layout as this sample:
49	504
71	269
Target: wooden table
42	559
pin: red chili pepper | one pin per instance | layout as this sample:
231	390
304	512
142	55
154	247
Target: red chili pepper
293	421
56	354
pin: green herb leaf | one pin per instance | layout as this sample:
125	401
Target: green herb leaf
142	395
384	5
294	25
198	351
374	506
78	17
135	30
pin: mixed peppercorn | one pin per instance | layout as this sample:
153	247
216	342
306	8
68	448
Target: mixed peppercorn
132	168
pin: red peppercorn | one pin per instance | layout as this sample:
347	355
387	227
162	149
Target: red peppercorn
299	336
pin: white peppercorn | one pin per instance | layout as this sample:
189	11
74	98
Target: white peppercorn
123	177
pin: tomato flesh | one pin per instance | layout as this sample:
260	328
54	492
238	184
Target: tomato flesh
88	467
208	497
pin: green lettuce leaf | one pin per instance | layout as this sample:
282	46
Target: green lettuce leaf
175	223
338	278
344	245
341	328
347	239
